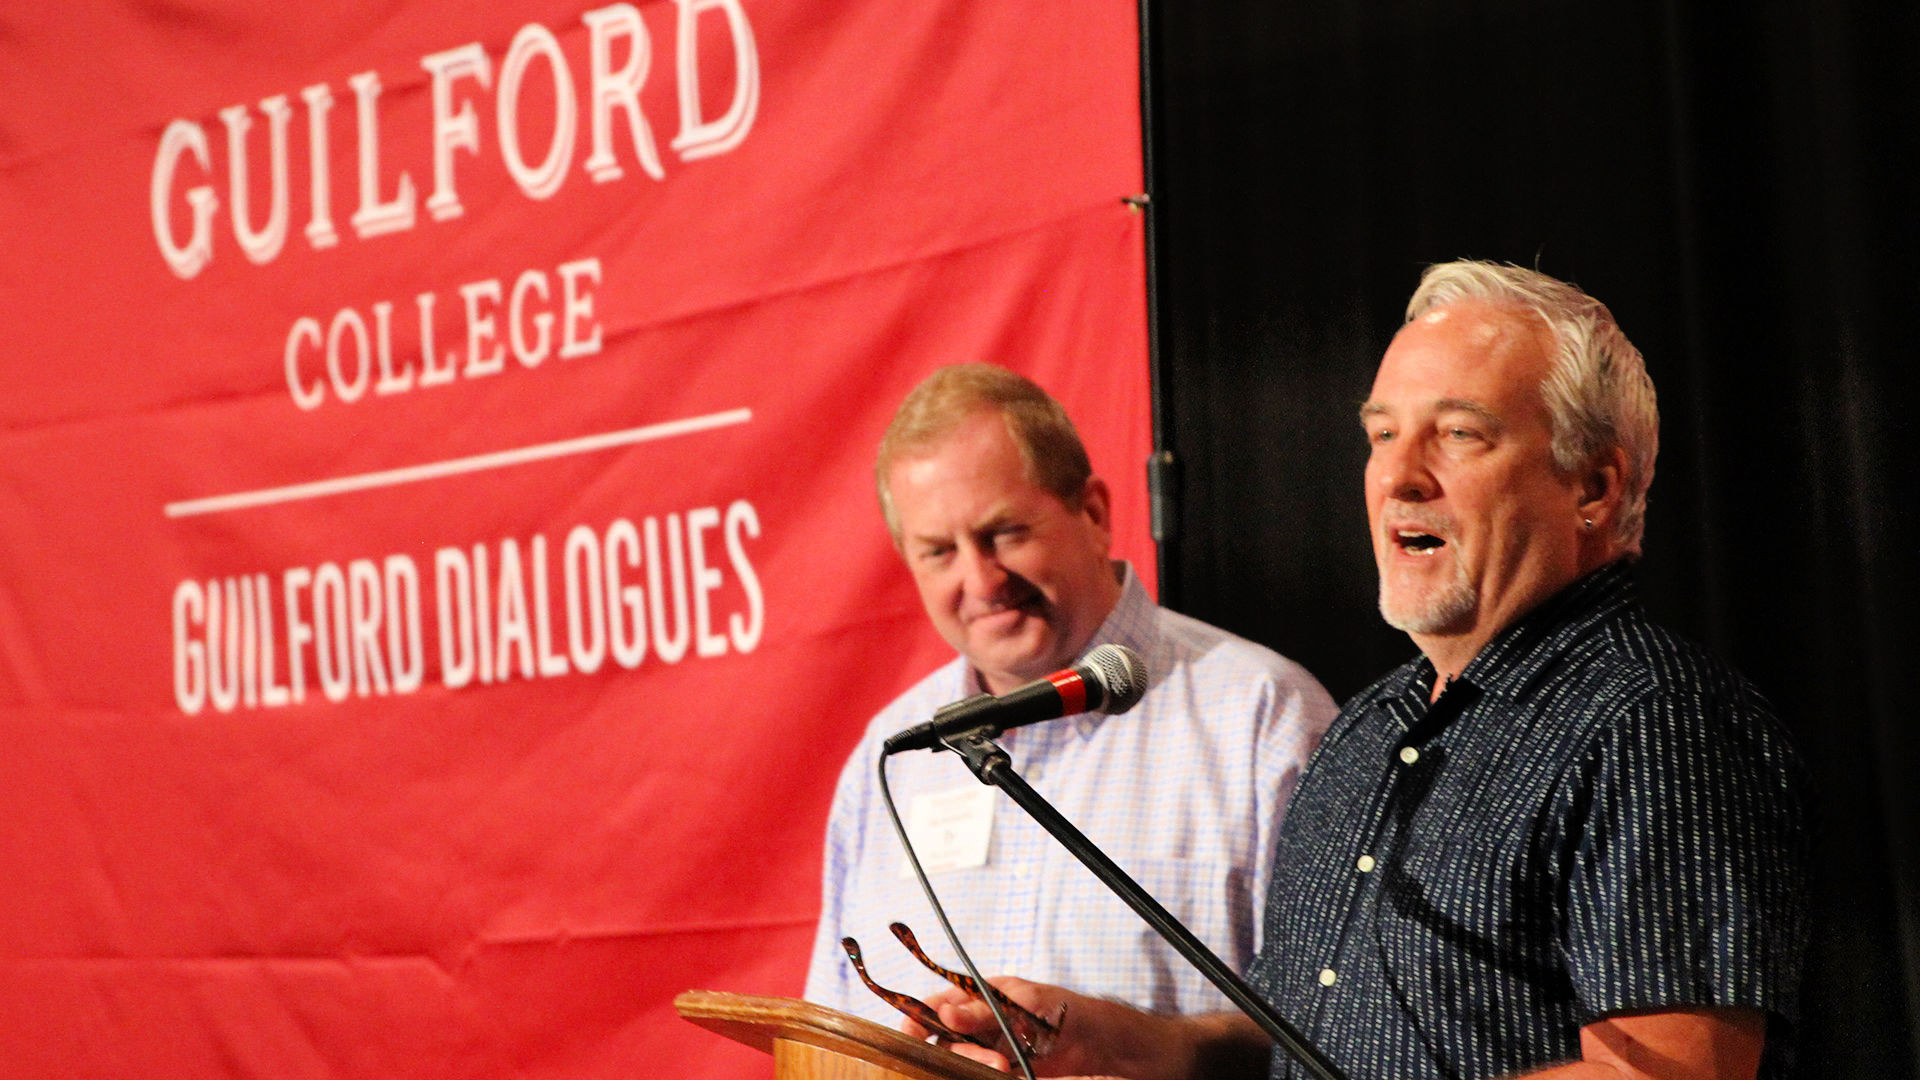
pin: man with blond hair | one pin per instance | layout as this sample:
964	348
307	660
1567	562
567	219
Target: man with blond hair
992	503
1562	841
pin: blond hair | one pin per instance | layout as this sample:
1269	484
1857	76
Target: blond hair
1055	458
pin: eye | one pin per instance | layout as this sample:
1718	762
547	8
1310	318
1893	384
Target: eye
1009	534
1380	435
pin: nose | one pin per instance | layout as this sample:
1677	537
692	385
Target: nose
1399	470
981	572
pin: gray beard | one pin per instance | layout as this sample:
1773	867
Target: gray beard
1434	613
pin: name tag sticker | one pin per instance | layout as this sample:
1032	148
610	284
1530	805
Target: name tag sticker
951	829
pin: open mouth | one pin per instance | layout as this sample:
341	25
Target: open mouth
1415	542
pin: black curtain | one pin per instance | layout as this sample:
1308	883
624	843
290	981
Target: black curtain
1732	181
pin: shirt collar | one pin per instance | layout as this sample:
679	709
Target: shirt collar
1519	656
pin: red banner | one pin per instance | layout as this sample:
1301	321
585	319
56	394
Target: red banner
439	569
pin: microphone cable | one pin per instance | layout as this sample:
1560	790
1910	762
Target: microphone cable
1018	1052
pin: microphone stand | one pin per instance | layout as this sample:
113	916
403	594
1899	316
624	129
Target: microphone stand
992	765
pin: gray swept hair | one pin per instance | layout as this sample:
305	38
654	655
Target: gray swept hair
1598	394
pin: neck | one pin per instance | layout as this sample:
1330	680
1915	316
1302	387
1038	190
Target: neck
1451	653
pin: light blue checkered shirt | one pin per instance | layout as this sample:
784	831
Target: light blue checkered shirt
1185	792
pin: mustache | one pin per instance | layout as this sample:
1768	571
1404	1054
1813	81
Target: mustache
1014	593
1415	516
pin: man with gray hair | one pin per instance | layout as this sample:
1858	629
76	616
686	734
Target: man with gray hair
1562	841
990	499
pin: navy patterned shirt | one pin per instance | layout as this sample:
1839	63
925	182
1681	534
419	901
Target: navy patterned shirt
1595	817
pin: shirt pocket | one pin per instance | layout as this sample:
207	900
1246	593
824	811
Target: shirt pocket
1101	946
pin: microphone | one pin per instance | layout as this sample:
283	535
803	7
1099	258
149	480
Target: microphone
1109	679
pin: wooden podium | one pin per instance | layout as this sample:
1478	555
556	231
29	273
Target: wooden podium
813	1042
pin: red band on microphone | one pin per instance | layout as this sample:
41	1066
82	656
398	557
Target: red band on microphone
1073	690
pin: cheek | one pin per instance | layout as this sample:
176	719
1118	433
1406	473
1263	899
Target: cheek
1031	560
939	593
1375	485
1376	506
1544	503
1028	572
1516	530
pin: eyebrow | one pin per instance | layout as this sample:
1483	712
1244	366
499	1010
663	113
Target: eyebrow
1472	408
1369	410
999	518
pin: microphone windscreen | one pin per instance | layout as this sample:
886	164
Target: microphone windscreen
1122	676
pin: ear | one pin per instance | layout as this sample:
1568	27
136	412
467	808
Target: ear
1096	501
1603	488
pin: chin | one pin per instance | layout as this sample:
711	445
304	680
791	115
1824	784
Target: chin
1433	611
1028	665
1017	662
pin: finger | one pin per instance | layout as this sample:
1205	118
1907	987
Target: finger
968	1014
1030	995
943	997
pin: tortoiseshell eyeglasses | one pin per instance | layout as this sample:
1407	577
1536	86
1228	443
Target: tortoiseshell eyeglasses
1035	1033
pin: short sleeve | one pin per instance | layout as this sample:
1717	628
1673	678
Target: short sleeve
1686	851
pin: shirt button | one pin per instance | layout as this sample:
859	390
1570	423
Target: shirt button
1365	864
1409	755
1327	977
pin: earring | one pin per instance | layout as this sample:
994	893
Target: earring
1586	522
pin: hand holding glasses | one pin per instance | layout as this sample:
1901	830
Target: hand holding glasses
1036	1034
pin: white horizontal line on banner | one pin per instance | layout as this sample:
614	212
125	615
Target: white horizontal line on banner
434	469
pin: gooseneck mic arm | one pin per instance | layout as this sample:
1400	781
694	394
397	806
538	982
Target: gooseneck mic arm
991	764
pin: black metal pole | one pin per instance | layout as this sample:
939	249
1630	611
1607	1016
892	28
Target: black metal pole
990	763
1162	474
